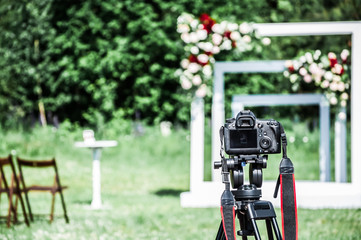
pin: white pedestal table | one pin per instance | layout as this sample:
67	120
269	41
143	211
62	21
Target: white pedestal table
96	146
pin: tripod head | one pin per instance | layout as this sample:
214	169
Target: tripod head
234	166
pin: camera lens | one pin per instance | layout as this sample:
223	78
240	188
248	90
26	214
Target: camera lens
265	142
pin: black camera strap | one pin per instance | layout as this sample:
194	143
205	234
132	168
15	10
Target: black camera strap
286	180
228	207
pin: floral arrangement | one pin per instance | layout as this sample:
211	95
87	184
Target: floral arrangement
204	38
327	73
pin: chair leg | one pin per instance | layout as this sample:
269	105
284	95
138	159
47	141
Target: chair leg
23	208
11	191
64	208
28	204
10	207
52	207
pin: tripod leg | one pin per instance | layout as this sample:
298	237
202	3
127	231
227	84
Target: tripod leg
276	229
269	229
255	228
220	233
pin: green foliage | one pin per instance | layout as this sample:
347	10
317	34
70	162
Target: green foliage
85	59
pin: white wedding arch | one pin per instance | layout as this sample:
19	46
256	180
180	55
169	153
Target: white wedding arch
309	194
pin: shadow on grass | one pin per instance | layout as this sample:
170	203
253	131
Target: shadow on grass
169	192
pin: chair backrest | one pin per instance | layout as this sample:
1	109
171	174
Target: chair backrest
37	164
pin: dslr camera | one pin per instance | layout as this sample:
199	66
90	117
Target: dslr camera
246	135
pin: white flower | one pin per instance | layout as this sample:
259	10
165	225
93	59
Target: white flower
217	28
235	35
226	45
303	71
325	84
344	96
334	86
232	26
293	78
313	68
303	59
188	74
208	47
203	58
194	67
286	74
197	80
180	19
194	23
217	39
194	50
307	78
216	50
193	37
207	70
336	78
309	57
296	65
202	34
186	37
246	38
245	28
331	55
185	83
333	100
344	54
266	41
183	28
341	86
223	25
328	75
185	63
201	91
343	104
338	68
317	54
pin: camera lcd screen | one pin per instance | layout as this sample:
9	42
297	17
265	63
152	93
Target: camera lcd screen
243	138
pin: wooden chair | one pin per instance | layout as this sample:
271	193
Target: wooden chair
11	190
56	187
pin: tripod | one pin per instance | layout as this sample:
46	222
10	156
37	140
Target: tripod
249	207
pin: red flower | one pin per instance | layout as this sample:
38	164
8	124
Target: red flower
291	69
332	58
193	59
207	22
333	62
227	34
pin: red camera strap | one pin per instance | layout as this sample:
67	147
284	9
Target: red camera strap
286	180
288	207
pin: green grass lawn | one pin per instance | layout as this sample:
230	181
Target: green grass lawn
141	181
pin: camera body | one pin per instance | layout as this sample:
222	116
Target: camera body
245	135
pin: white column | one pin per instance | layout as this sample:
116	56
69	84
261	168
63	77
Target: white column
218	117
340	146
197	144
355	108
96	202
